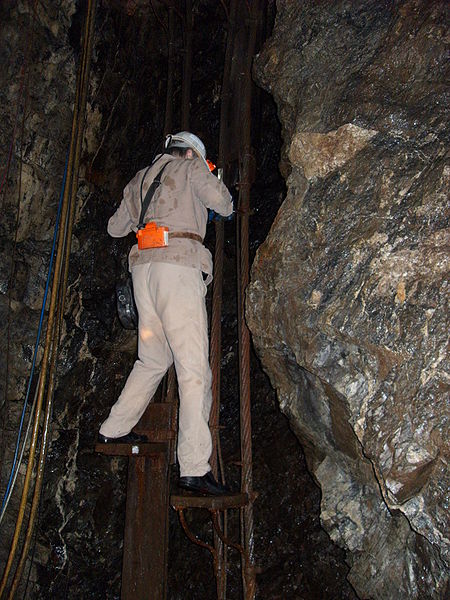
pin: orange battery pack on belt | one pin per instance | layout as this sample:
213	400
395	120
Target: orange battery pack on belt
152	236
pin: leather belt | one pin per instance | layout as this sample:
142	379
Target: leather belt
186	234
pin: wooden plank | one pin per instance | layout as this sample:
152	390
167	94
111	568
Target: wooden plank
144	569
211	502
159	424
149	450
144	572
158	416
157	435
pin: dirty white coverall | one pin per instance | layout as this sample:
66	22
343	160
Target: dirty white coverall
169	291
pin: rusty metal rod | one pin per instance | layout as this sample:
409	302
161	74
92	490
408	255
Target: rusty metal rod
187	66
215	351
246	164
168	119
216	324
215	359
220	533
194	539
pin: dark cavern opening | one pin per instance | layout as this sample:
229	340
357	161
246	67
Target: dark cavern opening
327	316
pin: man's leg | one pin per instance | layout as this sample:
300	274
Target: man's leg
181	308
154	359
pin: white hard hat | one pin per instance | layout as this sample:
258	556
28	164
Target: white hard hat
186	139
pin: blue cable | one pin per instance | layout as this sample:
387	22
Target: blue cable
38	336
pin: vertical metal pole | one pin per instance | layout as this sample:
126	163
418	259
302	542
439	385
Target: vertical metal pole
245	402
215	354
187	66
216	338
216	328
168	125
246	179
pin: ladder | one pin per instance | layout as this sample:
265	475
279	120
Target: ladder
144	572
145	548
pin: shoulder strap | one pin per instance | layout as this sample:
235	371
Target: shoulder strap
145	203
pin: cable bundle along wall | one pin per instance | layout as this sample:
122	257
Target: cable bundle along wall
56	310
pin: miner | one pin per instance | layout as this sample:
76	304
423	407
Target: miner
167	205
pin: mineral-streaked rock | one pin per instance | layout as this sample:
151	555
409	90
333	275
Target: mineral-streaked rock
348	299
320	153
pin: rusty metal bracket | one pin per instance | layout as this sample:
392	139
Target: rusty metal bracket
198	541
214	514
225	539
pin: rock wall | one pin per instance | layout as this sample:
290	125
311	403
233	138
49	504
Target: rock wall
348	297
77	550
37	89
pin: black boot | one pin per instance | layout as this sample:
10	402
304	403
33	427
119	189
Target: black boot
129	438
204	485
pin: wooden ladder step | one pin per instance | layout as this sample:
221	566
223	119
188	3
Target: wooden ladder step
149	450
179	501
159	422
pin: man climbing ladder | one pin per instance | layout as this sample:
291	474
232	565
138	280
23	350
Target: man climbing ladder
167	267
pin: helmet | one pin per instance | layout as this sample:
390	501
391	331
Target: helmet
185	139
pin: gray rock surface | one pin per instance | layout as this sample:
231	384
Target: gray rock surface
348	303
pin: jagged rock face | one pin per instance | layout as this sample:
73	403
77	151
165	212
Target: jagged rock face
80	523
77	547
348	299
37	77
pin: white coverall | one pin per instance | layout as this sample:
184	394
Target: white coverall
169	291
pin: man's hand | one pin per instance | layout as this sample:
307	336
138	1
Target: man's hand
213	216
